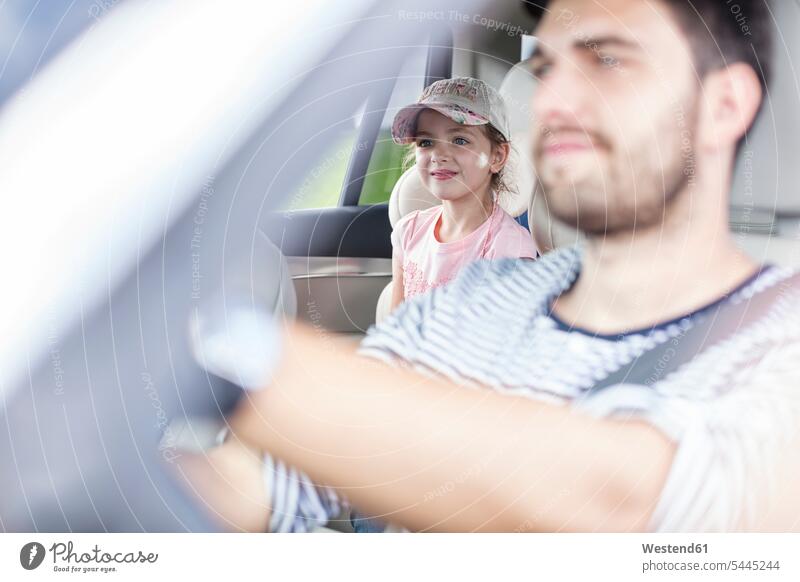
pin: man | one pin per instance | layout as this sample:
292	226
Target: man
639	114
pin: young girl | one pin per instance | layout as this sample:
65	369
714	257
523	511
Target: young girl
461	143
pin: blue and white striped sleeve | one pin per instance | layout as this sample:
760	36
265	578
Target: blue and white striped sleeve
297	504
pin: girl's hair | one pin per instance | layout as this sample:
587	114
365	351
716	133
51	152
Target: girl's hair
499	183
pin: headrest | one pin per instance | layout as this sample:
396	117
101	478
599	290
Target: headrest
517	90
548	233
409	195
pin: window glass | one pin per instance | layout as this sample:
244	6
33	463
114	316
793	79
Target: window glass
386	162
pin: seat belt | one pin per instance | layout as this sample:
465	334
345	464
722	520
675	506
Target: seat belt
720	324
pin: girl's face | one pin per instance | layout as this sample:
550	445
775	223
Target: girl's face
455	160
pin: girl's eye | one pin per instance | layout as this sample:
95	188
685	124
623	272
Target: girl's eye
460	141
608	61
424	143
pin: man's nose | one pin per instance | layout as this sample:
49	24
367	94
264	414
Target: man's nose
561	97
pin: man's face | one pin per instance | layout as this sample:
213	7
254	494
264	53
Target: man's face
615	113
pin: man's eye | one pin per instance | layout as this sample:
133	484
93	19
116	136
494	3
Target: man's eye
460	141
541	70
424	143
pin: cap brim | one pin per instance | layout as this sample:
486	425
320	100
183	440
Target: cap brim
404	127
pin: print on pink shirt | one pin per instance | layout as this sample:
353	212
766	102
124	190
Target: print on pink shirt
428	263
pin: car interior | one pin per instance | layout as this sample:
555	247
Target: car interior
338	256
324	221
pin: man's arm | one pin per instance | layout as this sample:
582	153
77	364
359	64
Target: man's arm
429	454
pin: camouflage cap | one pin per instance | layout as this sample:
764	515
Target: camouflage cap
463	99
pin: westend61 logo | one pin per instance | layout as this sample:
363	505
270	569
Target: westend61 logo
65	559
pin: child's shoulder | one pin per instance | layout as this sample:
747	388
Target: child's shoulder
424	213
508	220
512	239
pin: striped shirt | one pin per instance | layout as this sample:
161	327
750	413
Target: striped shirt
730	411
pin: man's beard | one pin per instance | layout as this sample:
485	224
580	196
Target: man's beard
635	188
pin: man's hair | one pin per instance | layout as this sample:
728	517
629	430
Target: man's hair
723	32
720	32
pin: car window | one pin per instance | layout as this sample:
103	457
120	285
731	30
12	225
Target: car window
385	165
322	184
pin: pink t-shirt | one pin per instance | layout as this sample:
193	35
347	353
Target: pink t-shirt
428	263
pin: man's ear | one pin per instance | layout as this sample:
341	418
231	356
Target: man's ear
732	97
500	155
